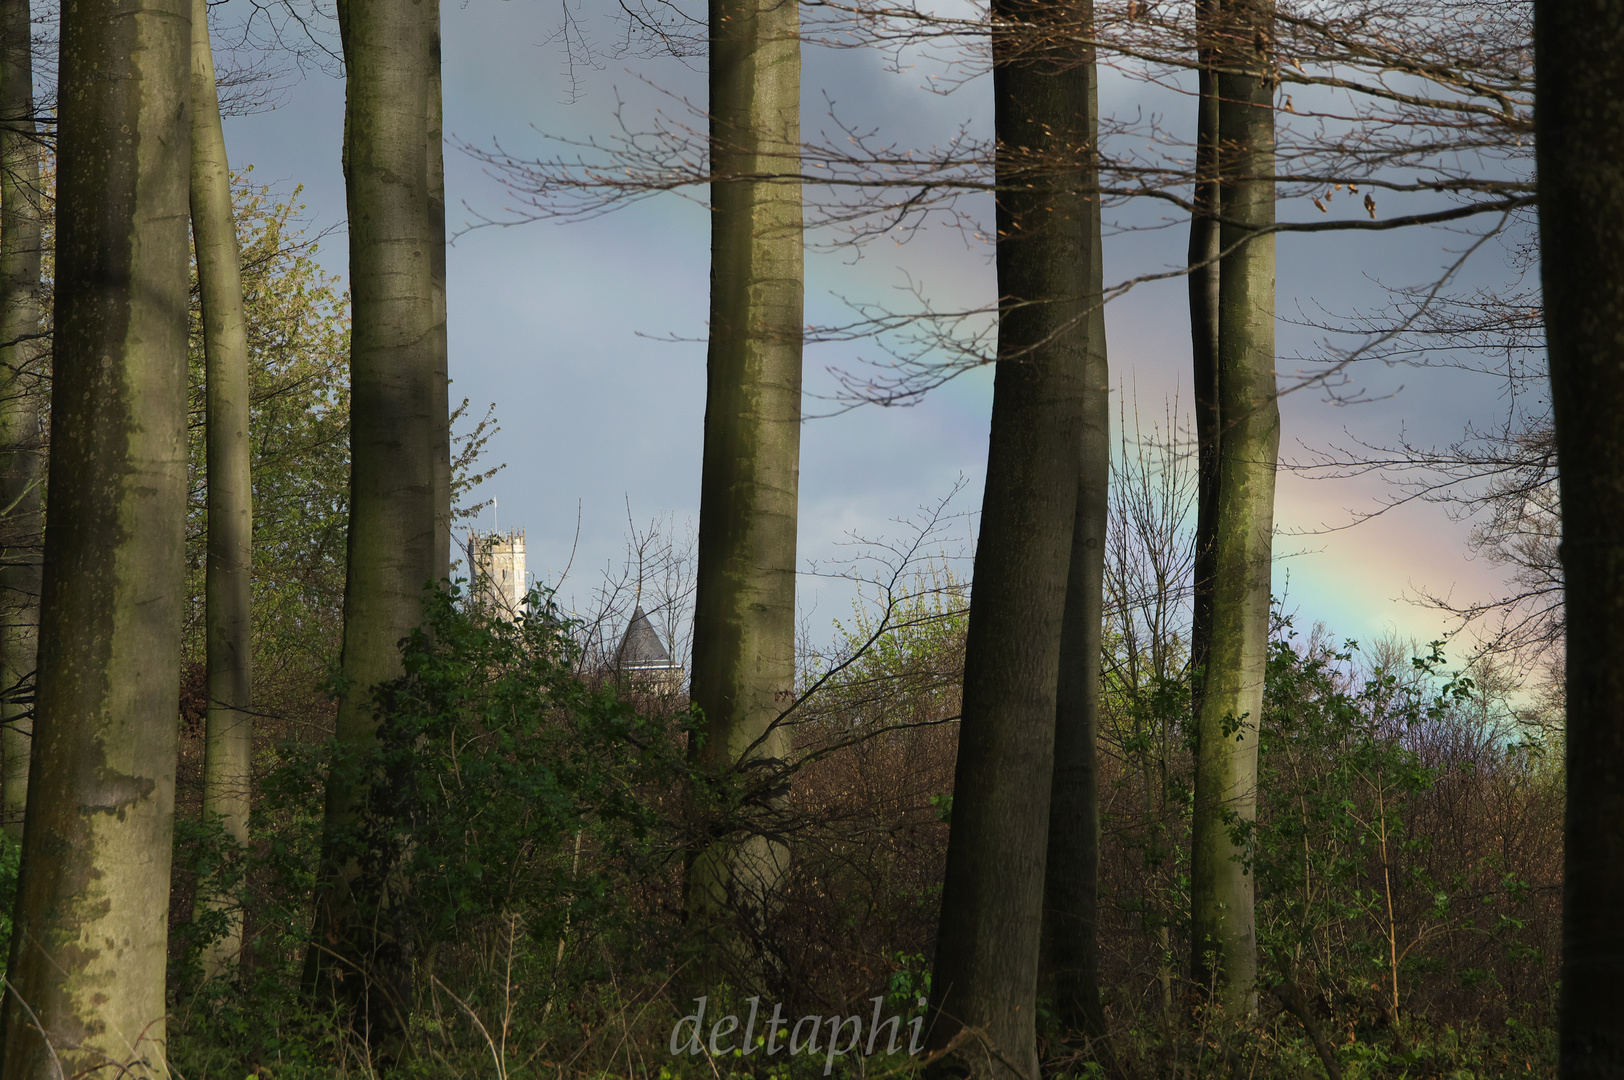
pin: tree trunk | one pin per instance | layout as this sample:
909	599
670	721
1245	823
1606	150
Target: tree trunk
88	952
228	740
437	258
395	360
1203	289
21	319
1579	117
986	969
744	611
1071	889
1224	946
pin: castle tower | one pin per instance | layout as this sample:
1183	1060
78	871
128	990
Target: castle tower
643	661
497	564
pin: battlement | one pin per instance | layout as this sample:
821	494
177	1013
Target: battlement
496	571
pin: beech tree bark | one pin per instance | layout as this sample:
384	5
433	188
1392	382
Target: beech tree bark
986	970
1224	948
1071	888
1579	118
396	423
21	322
88	956
435	140
1203	292
228	738
744	608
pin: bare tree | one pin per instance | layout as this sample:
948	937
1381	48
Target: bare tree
1500	475
1147	660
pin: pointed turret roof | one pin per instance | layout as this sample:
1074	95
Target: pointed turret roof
641	646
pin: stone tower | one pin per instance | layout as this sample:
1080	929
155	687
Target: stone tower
497	571
643	661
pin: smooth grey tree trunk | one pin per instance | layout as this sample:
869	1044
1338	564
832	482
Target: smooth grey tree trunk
228	738
89	948
1224	940
744	609
22	524
986	970
1071	889
1579	120
396	424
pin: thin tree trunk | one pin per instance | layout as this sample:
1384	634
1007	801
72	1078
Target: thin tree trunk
228	740
21	318
88	951
1579	117
1224	946
1203	289
986	970
395	359
1291	996
1071	889
437	257
744	613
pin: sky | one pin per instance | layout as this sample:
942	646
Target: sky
587	335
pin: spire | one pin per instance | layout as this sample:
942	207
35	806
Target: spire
641	646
